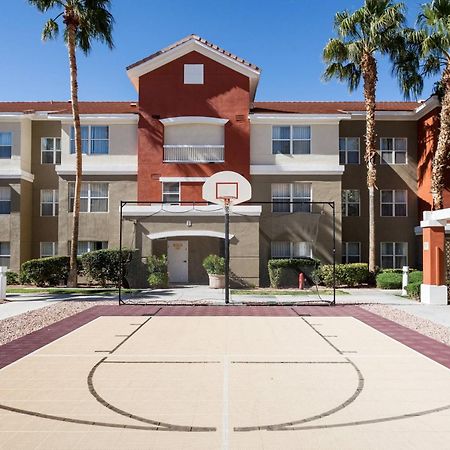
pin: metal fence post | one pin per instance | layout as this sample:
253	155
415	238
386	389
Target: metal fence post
405	280
3	271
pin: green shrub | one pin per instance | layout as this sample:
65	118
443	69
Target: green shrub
415	277
284	272
389	280
351	275
103	266
157	268
214	265
46	271
413	290
12	277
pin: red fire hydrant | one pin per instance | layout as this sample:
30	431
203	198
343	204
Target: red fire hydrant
301	281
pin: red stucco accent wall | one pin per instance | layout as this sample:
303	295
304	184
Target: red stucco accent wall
162	94
428	132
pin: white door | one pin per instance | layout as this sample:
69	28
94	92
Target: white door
177	256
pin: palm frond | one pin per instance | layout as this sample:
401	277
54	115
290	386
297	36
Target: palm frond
51	30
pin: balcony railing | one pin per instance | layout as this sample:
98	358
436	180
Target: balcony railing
193	153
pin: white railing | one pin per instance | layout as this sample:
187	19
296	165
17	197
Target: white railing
193	153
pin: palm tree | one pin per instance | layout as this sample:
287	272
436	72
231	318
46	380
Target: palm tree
374	29
432	41
84	21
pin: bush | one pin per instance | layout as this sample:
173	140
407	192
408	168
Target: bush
284	272
351	275
415	277
214	265
12	277
157	267
46	271
389	280
413	290
103	266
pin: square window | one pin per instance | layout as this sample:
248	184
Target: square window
5	145
193	74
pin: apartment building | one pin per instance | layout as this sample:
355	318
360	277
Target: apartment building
196	115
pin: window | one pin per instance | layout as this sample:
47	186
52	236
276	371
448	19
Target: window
350	202
5	200
49	202
48	249
351	252
394	255
5	144
171	193
5	254
51	150
393	150
90	246
393	203
94	140
193	74
291	140
286	249
93	197
283	193
349	150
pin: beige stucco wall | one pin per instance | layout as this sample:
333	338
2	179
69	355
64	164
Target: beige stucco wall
194	134
388	229
324	146
16	129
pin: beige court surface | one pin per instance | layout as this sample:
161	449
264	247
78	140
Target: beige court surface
225	383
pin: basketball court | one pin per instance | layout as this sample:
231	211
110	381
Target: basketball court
224	378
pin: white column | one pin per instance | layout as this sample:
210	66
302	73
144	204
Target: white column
3	282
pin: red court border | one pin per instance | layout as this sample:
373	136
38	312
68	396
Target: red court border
25	345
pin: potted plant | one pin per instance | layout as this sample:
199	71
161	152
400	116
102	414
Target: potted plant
215	267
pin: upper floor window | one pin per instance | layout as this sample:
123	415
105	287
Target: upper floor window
193	74
350	202
93	197
5	254
94	139
5	200
284	193
349	150
394	255
171	193
393	150
49	202
48	249
286	249
5	144
51	150
394	203
351	252
291	140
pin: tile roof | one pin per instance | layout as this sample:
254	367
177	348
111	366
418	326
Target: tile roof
58	107
199	39
327	107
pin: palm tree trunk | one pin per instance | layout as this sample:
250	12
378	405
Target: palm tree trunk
369	70
441	156
71	29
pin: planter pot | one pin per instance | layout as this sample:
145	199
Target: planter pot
216	281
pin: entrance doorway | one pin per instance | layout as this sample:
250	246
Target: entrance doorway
177	258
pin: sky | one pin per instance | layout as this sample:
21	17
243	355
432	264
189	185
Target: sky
285	38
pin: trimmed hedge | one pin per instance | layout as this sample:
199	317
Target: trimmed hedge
103	266
50	271
157	268
12	278
351	275
413	290
214	265
389	280
284	272
415	277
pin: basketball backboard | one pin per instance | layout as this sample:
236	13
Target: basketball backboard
227	187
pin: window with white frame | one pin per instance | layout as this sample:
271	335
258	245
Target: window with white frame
394	255
291	140
5	200
287	249
51	150
94	139
193	74
284	193
5	144
393	150
5	254
49	202
351	252
394	203
93	197
48	249
350	202
171	193
349	150
90	246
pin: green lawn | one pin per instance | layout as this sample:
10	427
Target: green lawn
295	292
